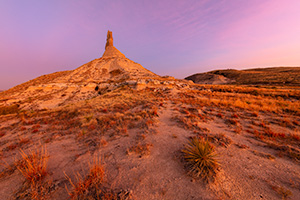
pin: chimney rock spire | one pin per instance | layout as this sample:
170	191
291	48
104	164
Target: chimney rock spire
109	39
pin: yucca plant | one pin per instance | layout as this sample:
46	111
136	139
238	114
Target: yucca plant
201	159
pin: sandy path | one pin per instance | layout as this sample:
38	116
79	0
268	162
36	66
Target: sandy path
164	176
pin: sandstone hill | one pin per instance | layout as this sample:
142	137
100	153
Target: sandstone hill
111	71
259	76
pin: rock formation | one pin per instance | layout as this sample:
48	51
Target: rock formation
109	39
112	70
110	50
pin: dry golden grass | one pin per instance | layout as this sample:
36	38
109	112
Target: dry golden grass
90	186
283	100
140	149
218	139
33	165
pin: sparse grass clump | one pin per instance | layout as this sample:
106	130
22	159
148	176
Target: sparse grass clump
93	186
88	187
221	140
140	149
33	165
201	159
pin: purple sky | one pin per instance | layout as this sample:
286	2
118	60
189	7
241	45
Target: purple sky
168	37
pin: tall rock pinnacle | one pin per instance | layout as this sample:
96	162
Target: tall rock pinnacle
109	39
110	50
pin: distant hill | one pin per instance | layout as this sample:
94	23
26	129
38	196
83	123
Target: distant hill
258	76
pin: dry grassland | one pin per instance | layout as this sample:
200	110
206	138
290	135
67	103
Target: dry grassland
132	144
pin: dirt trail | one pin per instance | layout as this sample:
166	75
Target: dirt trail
165	176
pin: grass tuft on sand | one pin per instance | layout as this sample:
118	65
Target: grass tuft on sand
33	165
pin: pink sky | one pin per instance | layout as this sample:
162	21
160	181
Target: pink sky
169	37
